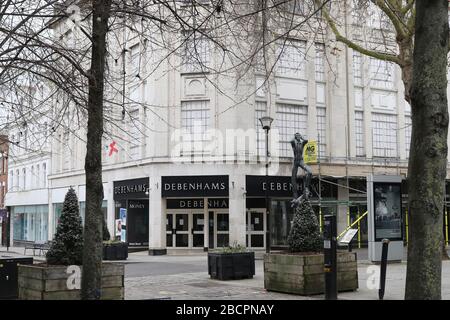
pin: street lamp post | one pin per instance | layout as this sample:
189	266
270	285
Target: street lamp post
266	122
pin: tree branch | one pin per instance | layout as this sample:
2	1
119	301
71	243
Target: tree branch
353	45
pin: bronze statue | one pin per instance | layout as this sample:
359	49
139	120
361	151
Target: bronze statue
298	144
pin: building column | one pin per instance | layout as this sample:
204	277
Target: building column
342	210
157	221
205	225
237	223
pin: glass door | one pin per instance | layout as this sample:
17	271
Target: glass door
222	230
256	226
181	230
198	230
170	230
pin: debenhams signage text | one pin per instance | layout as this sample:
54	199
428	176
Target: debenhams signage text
197	186
277	186
194	186
130	189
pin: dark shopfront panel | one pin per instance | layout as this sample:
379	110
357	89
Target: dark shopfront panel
279	192
132	200
186	219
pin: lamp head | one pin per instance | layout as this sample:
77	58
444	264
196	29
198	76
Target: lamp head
266	122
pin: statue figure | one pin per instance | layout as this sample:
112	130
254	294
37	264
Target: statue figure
298	143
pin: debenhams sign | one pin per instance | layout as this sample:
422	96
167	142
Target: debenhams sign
195	186
131	189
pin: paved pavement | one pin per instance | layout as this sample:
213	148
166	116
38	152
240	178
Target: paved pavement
185	277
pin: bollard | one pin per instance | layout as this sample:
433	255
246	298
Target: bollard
330	261
384	255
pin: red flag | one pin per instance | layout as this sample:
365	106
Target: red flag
112	148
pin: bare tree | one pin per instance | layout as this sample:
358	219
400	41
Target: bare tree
420	31
84	83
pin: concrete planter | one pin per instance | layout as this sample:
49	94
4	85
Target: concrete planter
304	274
231	266
39	282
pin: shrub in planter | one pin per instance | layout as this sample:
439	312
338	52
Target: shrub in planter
231	263
305	231
67	246
300	270
59	277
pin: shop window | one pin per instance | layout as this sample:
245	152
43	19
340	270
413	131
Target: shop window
30	223
58	207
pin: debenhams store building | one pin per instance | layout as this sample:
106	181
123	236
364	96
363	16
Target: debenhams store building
201	212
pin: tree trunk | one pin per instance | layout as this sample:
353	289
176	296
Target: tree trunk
406	66
92	251
428	155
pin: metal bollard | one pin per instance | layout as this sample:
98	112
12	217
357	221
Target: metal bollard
384	255
330	261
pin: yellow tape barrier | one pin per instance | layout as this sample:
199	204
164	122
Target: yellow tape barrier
353	224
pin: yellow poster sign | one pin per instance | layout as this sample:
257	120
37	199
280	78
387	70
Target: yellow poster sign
310	152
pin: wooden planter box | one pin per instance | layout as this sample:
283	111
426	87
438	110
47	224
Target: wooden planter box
304	274
115	251
231	266
38	282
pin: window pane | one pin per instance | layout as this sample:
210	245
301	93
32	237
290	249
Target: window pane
260	111
408	129
384	128
321	130
290	119
195	123
196	54
291	57
320	62
359	133
382	73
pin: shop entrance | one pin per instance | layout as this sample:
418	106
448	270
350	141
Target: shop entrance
256	228
185	230
137	223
